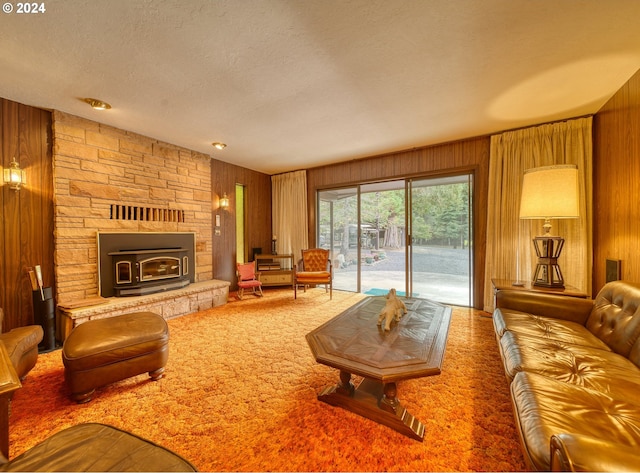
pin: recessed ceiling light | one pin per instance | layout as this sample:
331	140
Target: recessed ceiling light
98	104
218	145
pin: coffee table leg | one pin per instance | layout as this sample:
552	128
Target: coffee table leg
345	387
375	401
389	400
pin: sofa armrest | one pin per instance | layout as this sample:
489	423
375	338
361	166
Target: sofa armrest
573	452
574	309
22	345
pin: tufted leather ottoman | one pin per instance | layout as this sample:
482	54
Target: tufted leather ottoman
99	352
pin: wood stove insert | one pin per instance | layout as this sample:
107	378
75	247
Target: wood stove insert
139	272
139	263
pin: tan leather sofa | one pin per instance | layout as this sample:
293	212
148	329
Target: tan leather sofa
573	366
22	346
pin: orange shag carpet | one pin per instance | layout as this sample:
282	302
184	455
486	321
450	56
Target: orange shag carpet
240	395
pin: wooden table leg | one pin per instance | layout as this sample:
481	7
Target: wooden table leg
389	400
5	411
345	387
375	401
9	382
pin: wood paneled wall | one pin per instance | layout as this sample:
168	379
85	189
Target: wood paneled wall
26	226
461	156
616	184
224	177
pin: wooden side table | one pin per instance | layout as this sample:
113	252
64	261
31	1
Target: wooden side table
9	382
275	270
502	284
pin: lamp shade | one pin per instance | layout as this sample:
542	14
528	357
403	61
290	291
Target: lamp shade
550	192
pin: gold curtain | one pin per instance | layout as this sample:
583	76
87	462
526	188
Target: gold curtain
510	251
289	212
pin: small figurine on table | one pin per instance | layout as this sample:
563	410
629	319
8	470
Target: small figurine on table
394	309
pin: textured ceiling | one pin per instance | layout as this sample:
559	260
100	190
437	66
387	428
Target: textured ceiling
291	84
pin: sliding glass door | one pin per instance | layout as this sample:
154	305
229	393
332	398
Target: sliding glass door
440	247
413	235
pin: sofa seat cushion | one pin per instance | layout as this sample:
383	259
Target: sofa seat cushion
594	369
545	328
312	276
544	407
249	284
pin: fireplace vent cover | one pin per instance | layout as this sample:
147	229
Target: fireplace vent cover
147	214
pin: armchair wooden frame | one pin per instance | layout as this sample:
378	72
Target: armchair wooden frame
314	268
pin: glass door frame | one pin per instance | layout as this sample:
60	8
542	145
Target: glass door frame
350	191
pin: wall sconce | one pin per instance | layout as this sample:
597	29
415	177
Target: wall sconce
14	176
224	201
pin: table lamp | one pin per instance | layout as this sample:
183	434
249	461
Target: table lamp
549	192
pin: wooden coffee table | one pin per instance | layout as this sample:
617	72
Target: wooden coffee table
352	343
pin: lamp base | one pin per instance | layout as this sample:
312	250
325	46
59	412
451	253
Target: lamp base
548	273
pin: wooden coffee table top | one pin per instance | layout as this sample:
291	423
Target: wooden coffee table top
413	348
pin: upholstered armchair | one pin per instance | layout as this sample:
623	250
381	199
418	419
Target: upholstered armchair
314	268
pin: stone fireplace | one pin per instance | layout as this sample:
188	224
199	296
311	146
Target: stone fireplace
108	180
112	181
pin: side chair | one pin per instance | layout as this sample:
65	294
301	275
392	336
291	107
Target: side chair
248	278
314	268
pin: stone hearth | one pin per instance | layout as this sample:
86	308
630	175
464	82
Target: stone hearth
195	297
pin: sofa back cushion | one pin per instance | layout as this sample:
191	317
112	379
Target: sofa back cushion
615	318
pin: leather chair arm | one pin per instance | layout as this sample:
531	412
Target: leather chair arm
555	306
572	452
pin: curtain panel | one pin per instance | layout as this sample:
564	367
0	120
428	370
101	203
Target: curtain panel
289	213
510	251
